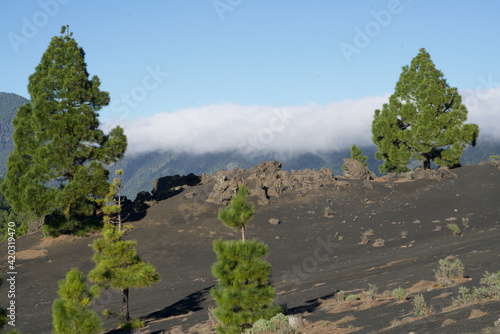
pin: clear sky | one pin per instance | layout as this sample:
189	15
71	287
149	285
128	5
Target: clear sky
188	57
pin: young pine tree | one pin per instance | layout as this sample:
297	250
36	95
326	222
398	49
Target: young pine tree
70	312
423	120
56	166
356	154
113	204
239	212
243	293
119	267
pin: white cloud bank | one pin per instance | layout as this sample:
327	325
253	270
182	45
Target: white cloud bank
262	129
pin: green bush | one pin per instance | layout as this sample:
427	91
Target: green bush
278	323
134	324
492	282
448	272
399	294
419	305
454	228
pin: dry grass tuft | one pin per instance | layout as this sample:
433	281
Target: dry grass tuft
31	254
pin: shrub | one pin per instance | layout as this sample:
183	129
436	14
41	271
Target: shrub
454	228
340	296
492	282
134	324
371	293
464	297
278	323
379	242
399	294
351	297
448	272
419	305
328	212
369	231
465	222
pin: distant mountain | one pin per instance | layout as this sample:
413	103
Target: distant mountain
141	170
9	103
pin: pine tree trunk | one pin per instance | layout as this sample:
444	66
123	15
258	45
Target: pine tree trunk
243	233
427	163
126	315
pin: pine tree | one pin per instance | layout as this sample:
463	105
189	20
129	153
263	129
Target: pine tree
243	293
423	120
71	313
356	154
239	212
119	267
57	163
112	203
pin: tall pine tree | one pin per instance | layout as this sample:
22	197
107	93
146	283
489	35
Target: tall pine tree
119	267
57	163
424	120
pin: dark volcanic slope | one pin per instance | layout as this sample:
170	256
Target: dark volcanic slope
309	261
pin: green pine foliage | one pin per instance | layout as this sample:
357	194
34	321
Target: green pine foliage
7	215
57	162
243	293
424	120
119	267
239	212
356	154
70	312
112	206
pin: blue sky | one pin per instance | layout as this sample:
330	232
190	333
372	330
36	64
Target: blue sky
180	57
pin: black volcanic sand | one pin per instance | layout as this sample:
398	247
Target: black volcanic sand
309	261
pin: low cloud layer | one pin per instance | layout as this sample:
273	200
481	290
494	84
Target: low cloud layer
263	129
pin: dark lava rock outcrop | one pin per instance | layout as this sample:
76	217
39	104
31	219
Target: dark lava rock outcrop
266	180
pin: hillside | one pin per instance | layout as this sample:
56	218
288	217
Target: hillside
313	256
8	107
141	170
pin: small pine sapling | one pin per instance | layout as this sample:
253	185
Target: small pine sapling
71	312
119	267
239	212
